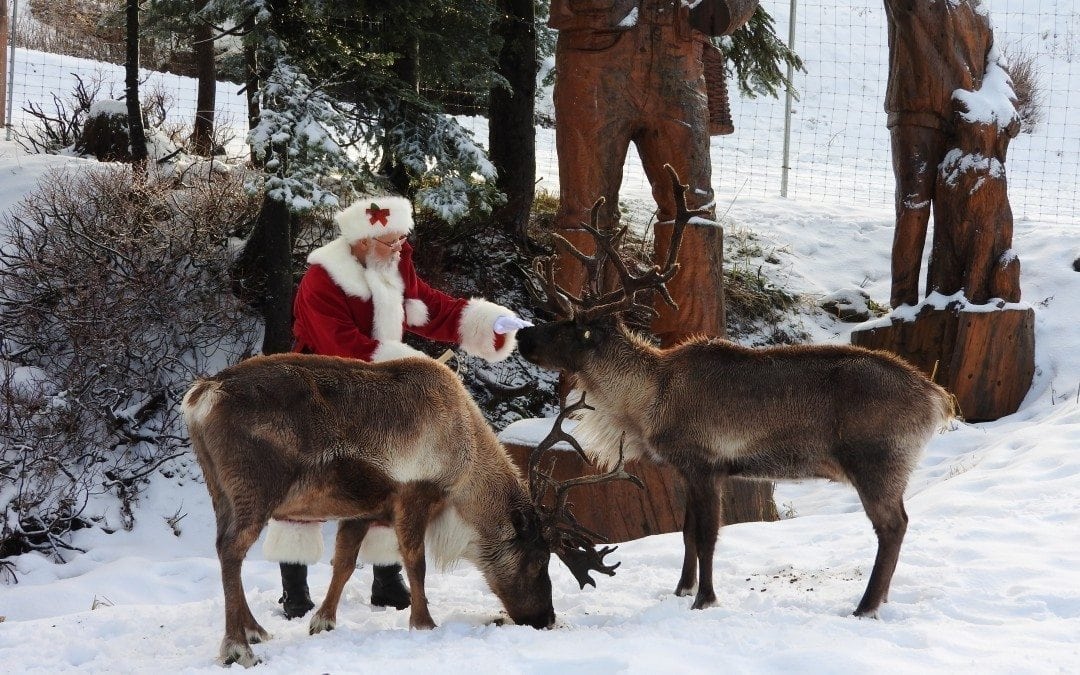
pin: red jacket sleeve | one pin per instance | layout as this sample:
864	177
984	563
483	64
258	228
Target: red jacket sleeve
443	310
466	323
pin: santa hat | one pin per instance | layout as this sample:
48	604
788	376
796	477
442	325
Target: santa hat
375	216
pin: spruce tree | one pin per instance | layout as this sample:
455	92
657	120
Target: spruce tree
755	55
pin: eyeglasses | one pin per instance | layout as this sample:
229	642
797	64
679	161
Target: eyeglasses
396	243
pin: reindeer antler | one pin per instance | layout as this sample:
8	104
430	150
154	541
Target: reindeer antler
574	543
554	299
596	300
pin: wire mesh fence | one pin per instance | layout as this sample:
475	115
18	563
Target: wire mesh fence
839	145
839	142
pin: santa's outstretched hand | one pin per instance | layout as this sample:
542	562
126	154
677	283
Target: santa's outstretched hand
509	324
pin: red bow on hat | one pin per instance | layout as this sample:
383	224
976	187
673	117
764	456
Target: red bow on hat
377	215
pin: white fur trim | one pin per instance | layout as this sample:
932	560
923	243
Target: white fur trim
416	312
389	350
343	267
293	542
355	222
448	540
380	546
476	335
388	302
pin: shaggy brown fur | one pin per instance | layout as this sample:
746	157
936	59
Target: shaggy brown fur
314	438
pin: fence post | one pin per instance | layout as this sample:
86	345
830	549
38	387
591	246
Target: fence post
11	67
787	106
4	28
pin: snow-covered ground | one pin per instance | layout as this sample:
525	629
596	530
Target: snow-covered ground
986	582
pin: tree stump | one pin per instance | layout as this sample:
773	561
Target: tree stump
986	359
698	289
105	134
618	510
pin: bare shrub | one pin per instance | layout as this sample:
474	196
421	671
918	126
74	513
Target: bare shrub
60	127
113	295
63	127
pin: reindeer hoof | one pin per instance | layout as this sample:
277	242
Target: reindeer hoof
422	624
866	613
704	601
234	652
319	623
682	591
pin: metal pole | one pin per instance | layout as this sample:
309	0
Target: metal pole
11	70
787	106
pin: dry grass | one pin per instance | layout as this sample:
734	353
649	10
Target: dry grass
1024	72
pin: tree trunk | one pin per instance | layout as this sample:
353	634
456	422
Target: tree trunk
251	86
986	359
5	29
263	273
202	136
511	131
136	133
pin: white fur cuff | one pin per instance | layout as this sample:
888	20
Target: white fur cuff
389	350
416	312
380	546
292	541
477	337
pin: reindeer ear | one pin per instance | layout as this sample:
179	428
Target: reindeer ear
524	523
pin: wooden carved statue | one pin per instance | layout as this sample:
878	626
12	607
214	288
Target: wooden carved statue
951	114
630	71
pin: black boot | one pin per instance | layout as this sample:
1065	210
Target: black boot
295	599
388	588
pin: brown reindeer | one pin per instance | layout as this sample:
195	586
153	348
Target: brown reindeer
711	408
311	438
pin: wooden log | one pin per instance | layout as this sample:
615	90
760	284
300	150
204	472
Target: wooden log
985	358
698	287
618	510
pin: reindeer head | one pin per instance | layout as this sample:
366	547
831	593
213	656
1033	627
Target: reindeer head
516	568
591	321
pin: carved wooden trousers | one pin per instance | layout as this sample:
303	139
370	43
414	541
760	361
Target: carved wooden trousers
646	86
917	151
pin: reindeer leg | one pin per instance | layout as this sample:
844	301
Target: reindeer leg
890	524
233	541
414	508
350	534
688	578
705	501
881	491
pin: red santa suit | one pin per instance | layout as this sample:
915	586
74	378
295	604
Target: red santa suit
345	308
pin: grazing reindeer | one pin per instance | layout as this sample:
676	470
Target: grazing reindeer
711	408
310	438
